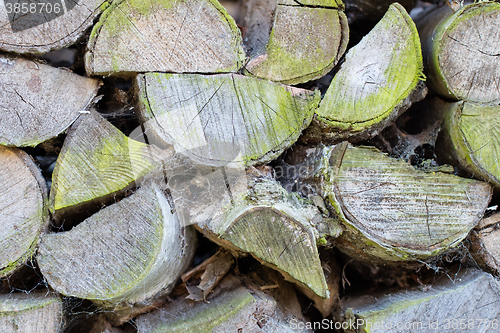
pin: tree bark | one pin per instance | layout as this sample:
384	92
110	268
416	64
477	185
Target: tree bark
183	36
23	208
391	212
124	258
282	50
223	119
38	102
109	163
461	52
48	28
369	92
37	311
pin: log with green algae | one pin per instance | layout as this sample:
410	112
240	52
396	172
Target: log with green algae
45	28
379	79
461	52
38	102
97	161
23	208
37	311
124	258
471	139
224	118
182	36
465	302
294	41
390	211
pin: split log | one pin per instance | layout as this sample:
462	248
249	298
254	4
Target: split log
182	36
124	258
461	52
37	311
226	118
470	139
42	28
38	102
283	50
232	307
466	304
390	211
98	162
373	10
485	244
23	208
369	92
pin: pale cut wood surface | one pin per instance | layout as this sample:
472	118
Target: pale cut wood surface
469	298
96	161
183	36
23	208
38	102
124	257
225	118
38	311
377	81
43	31
485	244
461	52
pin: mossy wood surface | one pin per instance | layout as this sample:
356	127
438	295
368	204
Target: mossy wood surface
37	311
127	254
472	132
372	10
392	212
294	41
182	36
96	161
38	102
277	228
378	80
467	302
47	28
231	307
462	52
225	118
23	208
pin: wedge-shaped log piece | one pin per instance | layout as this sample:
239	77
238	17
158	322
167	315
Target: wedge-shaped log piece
278	228
231	307
23	208
225	118
468	303
390	211
38	102
378	80
283	50
485	244
37	311
124	258
30	27
182	36
471	133
96	161
462	52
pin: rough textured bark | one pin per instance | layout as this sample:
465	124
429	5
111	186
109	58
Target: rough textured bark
108	161
232	307
38	102
45	30
485	244
390	211
370	91
222	119
470	137
468	303
37	311
183	36
23	208
461	52
124	258
372	10
282	49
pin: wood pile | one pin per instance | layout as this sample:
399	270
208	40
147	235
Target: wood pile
259	166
